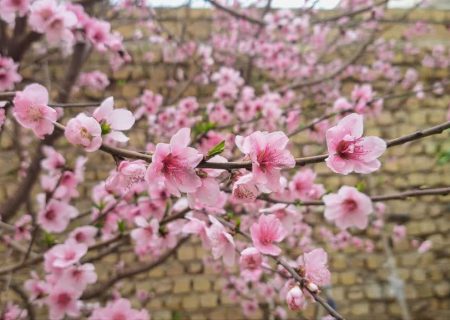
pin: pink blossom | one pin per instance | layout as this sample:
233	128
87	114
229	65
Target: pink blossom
84	131
11	8
268	154
54	20
295	299
188	104
146	232
222	243
99	33
55	217
342	104
425	246
250	258
267	231
348	208
85	234
209	193
302	186
244	189
13	311
62	300
174	165
8	70
64	255
148	103
128	174
315	267
119	309
79	276
113	121
349	151
199	228
31	110
398	233
36	288
23	228
53	160
93	80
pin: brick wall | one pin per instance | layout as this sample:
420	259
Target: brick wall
184	288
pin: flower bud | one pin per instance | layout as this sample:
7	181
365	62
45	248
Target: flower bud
295	299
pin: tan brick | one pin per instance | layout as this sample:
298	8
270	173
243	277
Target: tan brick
208	300
186	253
190	302
359	309
202	284
182	285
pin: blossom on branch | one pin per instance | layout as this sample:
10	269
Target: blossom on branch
348	208
84	131
31	110
267	231
8	72
268	154
174	165
349	151
113	121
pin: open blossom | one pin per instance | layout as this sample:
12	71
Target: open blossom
113	121
53	160
12	7
222	243
64	255
315	267
85	234
250	259
268	154
295	299
349	151
62	300
79	276
267	231
148	104
197	227
94	80
119	309
146	231
128	174
174	164
52	19
303	187
348	208
31	110
8	72
13	312
56	215
84	131
244	189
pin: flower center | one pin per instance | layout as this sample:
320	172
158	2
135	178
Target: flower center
350	205
63	299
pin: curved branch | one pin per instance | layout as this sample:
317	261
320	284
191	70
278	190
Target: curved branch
132	272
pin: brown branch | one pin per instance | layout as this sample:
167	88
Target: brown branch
291	270
13	204
236	14
443	191
94	292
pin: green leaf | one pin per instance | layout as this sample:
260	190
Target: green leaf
121	82
443	157
176	315
121	226
360	186
49	239
203	127
217	149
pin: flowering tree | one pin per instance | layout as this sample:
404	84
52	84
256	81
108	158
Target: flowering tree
223	166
